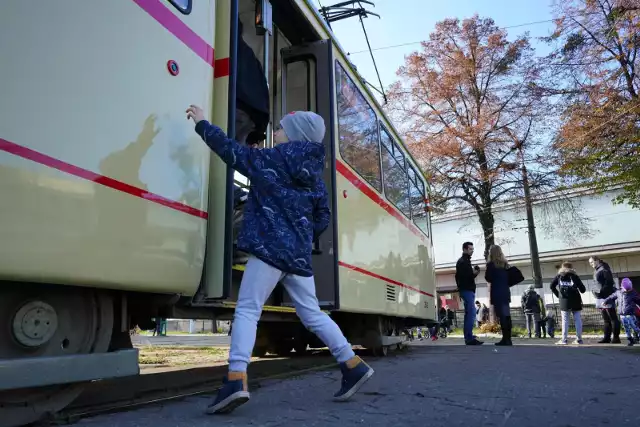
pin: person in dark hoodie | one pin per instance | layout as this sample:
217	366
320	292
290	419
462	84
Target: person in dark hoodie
567	287
287	208
629	300
603	276
530	303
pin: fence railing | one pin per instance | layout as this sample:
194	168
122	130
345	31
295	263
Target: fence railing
591	317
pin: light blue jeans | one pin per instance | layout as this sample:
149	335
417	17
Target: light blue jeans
469	299
258	282
630	325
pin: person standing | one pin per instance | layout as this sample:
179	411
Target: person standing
603	277
478	314
499	293
567	286
551	323
484	312
543	317
530	302
466	282
629	301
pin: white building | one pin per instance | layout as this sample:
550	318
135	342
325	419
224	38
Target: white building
595	226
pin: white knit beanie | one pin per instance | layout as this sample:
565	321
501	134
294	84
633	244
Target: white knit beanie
303	126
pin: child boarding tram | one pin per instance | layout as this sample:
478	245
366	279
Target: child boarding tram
114	211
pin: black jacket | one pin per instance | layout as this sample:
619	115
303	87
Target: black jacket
252	90
530	302
465	276
604	278
500	293
567	286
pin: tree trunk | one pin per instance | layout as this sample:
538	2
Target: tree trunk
487	221
485	215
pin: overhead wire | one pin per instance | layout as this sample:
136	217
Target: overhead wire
394	46
373	59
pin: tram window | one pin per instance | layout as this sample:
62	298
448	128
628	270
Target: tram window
357	130
183	6
300	88
417	196
396	182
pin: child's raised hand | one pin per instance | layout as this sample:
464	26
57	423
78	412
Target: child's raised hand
194	112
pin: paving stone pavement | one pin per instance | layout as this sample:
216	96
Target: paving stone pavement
441	384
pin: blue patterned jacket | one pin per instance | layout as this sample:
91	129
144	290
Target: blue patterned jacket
287	205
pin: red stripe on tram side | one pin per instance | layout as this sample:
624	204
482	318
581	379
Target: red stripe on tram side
385	279
222	68
354	179
43	159
160	12
172	23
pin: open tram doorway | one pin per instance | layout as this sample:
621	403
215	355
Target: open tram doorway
298	73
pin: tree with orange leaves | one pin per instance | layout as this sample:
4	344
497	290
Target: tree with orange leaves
472	115
595	67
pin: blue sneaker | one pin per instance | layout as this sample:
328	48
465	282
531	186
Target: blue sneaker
354	374
233	393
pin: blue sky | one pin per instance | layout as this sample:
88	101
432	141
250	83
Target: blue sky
404	21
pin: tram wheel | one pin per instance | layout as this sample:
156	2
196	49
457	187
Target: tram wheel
300	347
259	351
380	351
49	321
282	347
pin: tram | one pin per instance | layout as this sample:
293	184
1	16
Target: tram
114	212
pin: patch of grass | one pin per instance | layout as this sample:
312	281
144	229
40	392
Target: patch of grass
151	359
182	355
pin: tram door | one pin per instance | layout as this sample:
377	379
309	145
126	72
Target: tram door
307	84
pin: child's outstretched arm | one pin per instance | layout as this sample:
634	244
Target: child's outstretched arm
231	152
611	298
321	213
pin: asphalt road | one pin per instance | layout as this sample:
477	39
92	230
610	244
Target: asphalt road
445	384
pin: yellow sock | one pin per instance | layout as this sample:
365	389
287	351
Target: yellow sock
353	362
235	376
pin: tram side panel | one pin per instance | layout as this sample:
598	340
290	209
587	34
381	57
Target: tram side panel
103	179
383	266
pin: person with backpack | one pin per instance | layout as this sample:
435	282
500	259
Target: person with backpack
531	306
603	276
567	286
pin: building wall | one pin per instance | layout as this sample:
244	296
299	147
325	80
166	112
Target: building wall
609	224
612	235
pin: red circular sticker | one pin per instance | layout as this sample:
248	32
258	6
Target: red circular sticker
173	68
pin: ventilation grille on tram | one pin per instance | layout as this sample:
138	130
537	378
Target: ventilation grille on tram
391	293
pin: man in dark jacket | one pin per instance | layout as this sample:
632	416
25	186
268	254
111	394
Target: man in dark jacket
603	277
530	303
466	282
